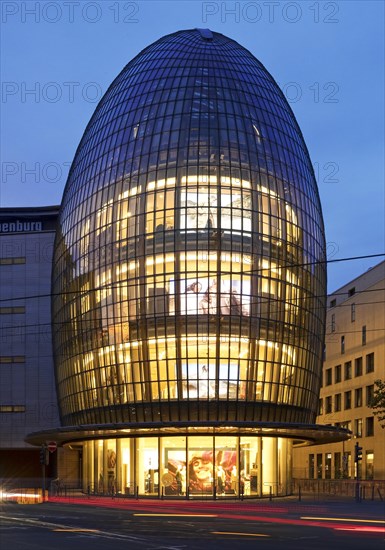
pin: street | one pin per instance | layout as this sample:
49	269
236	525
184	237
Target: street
81	524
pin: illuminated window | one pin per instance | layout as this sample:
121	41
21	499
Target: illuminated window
12	359
12	408
12	261
12	310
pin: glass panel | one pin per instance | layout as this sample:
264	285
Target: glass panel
147	466
226	466
250	456
127	466
201	466
173	466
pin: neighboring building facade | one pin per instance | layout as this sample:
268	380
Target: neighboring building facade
28	399
354	359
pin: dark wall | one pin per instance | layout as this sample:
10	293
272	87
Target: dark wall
24	465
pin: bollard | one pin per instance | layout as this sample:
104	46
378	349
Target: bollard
137	492
162	495
271	493
299	493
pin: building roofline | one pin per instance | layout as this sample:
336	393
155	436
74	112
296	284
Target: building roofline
33	210
344	287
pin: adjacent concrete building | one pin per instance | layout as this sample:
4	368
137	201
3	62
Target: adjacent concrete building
354	359
28	399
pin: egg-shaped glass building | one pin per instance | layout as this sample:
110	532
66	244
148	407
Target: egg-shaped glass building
189	276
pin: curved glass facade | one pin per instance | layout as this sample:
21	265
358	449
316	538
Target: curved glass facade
189	273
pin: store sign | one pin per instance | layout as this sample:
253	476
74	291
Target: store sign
18	226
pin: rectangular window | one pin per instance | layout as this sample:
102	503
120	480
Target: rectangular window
12	310
319	466
12	359
364	335
347	465
348	370
337	373
358	427
337	402
348	400
358	366
328	465
12	408
358	397
311	466
369	426
353	313
369	474
12	261
369	394
370	362
321	406
328	377
328	404
342	344
352	291
333	303
333	323
337	466
347	425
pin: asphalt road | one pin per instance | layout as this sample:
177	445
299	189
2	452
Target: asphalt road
191	525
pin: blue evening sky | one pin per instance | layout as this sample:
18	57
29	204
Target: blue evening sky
58	58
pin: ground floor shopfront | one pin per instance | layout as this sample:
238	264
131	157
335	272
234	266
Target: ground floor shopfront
188	466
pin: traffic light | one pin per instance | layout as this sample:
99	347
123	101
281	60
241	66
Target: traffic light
357	453
43	455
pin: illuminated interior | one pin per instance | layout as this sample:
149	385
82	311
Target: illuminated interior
250	466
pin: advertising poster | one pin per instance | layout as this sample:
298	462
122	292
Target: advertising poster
204	471
200	210
198	380
203	295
